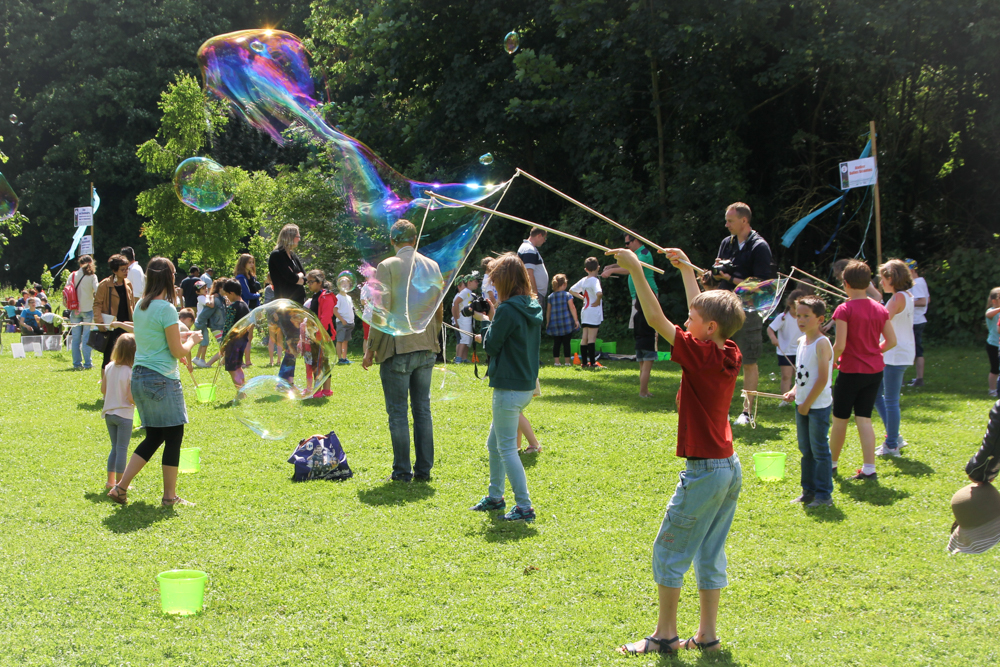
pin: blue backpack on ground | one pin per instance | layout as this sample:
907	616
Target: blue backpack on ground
320	457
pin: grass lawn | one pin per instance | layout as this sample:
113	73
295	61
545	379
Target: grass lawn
369	573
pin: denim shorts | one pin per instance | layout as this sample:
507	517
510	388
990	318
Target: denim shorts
646	355
697	522
159	399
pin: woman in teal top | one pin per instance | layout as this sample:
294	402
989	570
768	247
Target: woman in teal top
156	385
993	338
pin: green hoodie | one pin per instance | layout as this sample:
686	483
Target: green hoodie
513	340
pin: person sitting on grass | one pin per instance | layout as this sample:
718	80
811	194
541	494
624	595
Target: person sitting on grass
235	311
30	318
813	399
700	514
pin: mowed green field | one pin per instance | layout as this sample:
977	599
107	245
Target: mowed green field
365	572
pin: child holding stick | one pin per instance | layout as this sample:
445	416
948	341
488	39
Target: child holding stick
700	513
813	399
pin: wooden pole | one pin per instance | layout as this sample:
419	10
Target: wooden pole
878	209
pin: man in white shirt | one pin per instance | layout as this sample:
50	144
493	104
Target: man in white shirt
532	259
136	275
921	299
207	277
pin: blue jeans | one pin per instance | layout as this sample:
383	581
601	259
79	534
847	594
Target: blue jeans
697	523
411	374
78	339
887	403
502	445
814	443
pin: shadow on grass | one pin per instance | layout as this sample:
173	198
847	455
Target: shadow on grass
722	658
137	516
760	435
825	514
96	405
396	493
500	531
529	460
871	492
912	467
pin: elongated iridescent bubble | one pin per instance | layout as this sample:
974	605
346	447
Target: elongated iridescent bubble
265	76
8	200
761	296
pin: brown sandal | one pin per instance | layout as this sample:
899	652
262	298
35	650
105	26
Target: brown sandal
176	500
121	497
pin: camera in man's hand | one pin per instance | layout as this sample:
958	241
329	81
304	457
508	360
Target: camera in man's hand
723	266
479	304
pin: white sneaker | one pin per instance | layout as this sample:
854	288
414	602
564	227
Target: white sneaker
885	451
784	404
992	392
742	420
902	443
200	363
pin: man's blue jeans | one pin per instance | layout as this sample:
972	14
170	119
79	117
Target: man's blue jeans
887	403
411	374
814	443
78	338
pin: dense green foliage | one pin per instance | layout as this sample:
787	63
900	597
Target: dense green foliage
368	573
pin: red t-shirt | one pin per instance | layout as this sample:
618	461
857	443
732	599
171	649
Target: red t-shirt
708	381
865	320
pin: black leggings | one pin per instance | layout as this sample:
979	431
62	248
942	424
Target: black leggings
992	353
564	342
158	435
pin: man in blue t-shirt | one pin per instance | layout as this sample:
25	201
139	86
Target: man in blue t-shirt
30	319
646	350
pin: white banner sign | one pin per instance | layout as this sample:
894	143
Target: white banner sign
83	216
87	245
858	173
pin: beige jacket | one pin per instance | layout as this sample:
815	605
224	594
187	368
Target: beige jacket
424	290
106	299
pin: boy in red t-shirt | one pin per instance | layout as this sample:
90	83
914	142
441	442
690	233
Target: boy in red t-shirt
701	511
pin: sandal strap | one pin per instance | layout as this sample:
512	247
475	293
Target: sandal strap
701	646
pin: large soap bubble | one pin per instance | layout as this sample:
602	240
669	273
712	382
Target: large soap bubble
269	406
486	159
265	76
300	341
202	184
8	200
444	384
512	42
761	296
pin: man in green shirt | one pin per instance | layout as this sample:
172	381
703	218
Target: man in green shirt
645	336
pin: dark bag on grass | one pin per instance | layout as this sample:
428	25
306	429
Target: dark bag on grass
320	457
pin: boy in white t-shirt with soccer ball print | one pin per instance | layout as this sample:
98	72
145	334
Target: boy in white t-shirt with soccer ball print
592	314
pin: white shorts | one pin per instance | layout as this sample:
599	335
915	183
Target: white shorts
466	324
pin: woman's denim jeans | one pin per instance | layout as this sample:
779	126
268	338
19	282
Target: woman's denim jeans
887	403
81	351
502	445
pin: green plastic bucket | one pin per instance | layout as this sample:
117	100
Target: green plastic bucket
574	345
190	459
609	348
769	466
598	344
664	356
205	393
182	592
136	423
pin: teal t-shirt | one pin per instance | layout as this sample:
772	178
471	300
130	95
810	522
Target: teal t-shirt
992	335
151	349
644	256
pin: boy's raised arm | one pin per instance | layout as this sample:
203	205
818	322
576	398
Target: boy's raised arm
650	305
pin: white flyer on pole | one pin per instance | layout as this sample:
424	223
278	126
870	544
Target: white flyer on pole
83	216
87	245
858	173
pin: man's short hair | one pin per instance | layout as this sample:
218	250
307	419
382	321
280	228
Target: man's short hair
129	254
722	307
813	303
741	209
857	274
537	231
193	270
403	231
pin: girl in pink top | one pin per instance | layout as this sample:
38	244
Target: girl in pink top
860	323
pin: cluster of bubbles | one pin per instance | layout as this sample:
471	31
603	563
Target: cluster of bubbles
761	296
202	184
8	200
512	42
486	159
265	77
268	404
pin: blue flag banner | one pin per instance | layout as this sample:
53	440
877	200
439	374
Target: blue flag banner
793	231
95	201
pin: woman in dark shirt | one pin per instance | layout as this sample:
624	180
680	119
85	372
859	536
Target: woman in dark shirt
114	297
287	274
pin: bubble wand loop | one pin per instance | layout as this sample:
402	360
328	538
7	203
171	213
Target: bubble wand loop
758	394
816	287
821	282
462	331
534	224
